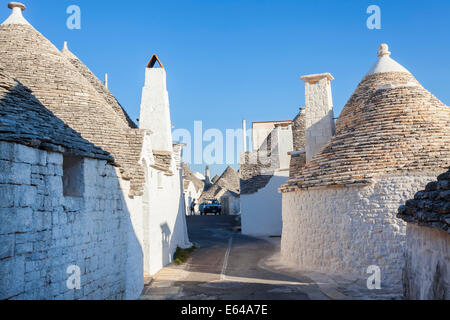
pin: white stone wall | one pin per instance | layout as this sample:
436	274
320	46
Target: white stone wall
190	195
261	211
282	144
427	269
167	220
42	232
346	230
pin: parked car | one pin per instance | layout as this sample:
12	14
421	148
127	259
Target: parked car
210	206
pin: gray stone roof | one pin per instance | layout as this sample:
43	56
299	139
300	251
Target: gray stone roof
430	207
254	184
215	179
99	86
299	131
34	61
24	120
228	181
163	161
390	125
189	176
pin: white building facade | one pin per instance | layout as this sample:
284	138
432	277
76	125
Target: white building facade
340	210
127	219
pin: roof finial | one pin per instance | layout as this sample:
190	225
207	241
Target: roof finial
65	47
383	50
19	5
16	16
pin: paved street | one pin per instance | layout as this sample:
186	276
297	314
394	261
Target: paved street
228	265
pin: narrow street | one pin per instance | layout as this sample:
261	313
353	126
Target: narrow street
228	266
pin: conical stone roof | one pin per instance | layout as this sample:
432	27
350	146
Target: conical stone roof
229	181
24	120
390	125
98	85
34	61
188	175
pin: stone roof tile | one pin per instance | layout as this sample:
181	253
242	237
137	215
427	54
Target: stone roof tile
24	120
34	61
390	125
430	207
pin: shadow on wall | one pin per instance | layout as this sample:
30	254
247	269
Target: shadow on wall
178	236
166	254
48	231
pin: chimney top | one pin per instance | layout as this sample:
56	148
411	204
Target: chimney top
313	78
13	5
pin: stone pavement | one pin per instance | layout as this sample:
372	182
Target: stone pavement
230	266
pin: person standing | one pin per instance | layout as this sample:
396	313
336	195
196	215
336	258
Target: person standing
193	204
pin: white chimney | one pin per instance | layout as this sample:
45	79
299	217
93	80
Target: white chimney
106	80
244	134
319	115
155	108
207	176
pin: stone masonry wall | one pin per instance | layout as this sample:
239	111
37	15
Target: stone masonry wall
427	269
346	230
319	122
42	232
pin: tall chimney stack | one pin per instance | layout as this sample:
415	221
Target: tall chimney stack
106	80
244	134
155	107
319	115
207	176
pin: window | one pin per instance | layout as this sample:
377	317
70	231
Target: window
73	176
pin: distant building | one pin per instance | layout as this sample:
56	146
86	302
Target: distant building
193	188
226	190
426	274
262	173
391	139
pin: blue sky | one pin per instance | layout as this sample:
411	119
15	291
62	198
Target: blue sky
233	60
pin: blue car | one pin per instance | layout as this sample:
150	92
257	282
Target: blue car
210	206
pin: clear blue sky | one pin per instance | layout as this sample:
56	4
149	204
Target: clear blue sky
230	60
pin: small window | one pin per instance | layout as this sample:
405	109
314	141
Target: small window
73	176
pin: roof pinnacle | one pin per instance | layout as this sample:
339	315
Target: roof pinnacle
19	5
383	50
16	16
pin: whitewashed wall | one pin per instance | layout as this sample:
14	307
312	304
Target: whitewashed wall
190	195
427	268
42	232
345	230
167	228
261	211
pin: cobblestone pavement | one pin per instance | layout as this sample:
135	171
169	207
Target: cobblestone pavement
231	266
